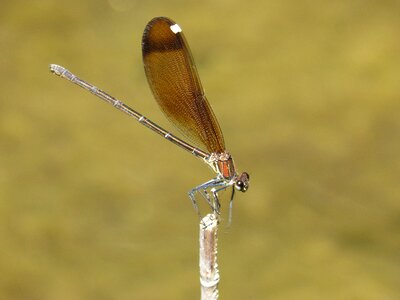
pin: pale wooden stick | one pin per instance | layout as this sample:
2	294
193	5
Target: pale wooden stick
209	274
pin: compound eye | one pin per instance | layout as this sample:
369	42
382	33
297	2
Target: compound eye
239	185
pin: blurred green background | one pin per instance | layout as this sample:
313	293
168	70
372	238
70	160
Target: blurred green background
94	206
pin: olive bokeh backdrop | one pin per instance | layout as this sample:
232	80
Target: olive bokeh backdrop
94	206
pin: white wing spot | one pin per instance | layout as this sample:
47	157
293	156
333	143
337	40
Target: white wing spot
175	28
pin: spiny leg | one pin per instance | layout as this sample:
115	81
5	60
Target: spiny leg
216	205
212	201
206	196
195	206
231	206
202	189
216	199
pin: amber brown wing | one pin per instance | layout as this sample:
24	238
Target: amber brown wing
176	86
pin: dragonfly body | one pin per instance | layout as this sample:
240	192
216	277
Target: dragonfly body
176	86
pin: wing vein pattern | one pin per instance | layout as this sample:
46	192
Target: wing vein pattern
176	86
